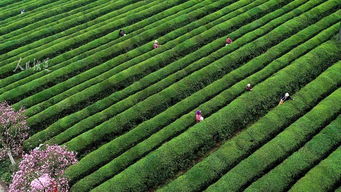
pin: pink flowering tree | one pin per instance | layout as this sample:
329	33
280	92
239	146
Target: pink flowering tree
42	170
13	131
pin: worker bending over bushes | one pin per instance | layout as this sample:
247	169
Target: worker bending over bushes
248	87
198	116
122	33
156	44
228	41
285	98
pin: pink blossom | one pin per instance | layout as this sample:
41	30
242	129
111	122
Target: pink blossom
43	169
13	130
41	183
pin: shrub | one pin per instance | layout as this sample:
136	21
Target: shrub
13	131
181	123
44	163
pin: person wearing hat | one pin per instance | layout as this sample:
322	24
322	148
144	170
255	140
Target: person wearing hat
22	11
228	41
248	87
285	98
156	44
122	33
198	116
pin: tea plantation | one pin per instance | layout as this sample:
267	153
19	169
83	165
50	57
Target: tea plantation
128	108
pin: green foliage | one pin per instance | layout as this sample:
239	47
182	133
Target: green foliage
172	156
324	176
7	13
84	37
33	22
171	38
279	178
6	171
159	102
128	108
258	133
92	9
149	127
103	86
282	146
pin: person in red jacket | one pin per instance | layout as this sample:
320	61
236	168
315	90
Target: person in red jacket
228	41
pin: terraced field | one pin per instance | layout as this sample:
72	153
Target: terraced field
128	109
